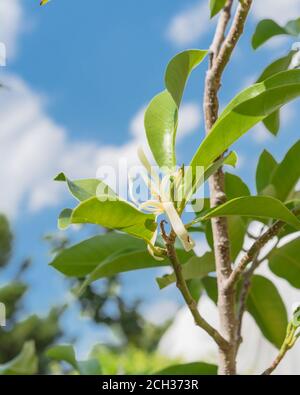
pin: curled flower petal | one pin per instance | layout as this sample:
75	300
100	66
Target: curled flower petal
178	226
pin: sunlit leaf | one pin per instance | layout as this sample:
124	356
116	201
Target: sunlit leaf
161	117
268	28
216	6
254	207
246	110
115	214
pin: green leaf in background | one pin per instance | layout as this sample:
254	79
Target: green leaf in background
66	353
161	117
178	71
216	6
5	240
115	214
211	288
265	30
81	259
235	186
10	295
195	268
285	262
268	28
272	122
25	363
287	173
267	308
193	368
64	219
255	207
246	110
265	168
85	188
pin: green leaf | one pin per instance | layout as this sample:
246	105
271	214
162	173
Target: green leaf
216	6
193	368
66	353
211	288
86	188
265	30
195	267
64	219
178	71
161	119
254	207
246	110
23	364
5	241
125	261
81	259
115	214
235	186
272	122
10	296
161	116
287	173
265	168
267	308
285	262
279	65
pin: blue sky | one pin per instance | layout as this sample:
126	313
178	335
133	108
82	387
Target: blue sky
80	74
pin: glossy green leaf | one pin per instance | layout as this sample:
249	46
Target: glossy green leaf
235	186
216	6
265	30
64	219
161	120
287	173
195	267
255	207
267	308
178	71
161	116
115	214
25	363
66	353
121	262
285	262
265	168
246	110
81	259
272	122
193	368
84	189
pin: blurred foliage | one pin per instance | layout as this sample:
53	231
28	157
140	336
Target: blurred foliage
22	340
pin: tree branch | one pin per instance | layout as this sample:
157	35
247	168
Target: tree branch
255	249
221	51
185	292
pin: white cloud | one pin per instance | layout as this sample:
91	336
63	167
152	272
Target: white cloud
10	24
279	10
189	25
158	313
193	23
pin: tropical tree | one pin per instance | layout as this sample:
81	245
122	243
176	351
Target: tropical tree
227	272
